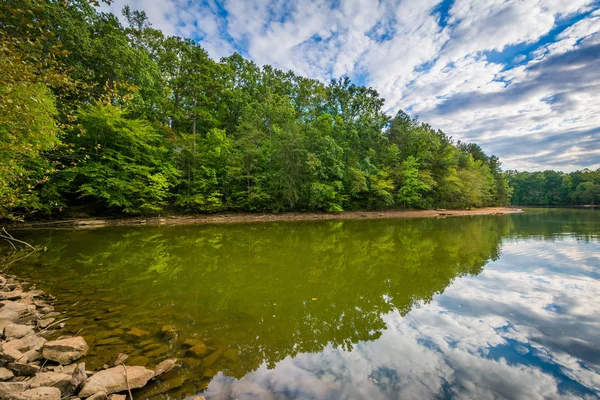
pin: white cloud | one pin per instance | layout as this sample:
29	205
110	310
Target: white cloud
400	48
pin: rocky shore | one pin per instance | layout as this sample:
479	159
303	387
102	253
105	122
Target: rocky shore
35	368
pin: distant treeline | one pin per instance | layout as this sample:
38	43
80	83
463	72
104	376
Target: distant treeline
124	119
555	188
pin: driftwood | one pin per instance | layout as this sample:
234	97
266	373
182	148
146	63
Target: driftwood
10	238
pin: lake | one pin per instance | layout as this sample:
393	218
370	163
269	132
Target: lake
499	306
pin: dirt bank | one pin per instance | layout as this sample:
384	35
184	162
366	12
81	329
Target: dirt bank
247	217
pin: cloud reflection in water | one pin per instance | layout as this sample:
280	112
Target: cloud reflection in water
527	327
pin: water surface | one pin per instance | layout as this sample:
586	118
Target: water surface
472	307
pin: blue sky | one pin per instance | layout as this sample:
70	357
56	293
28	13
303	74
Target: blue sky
519	77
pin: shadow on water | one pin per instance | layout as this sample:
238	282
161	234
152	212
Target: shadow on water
251	295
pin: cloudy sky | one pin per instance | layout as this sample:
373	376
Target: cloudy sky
519	77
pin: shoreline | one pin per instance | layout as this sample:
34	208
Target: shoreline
33	366
229	218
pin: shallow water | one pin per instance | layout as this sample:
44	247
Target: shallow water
471	307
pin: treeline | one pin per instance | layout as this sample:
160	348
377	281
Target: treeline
124	119
555	188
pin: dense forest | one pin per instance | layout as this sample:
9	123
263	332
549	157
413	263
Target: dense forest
120	118
552	188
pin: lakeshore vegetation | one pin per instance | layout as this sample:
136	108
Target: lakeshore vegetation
119	118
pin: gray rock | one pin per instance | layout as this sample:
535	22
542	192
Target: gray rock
98	396
53	379
10	390
43	323
65	351
114	380
20	369
78	377
119	359
9	315
164	367
9	351
16	331
14	295
5	374
42	393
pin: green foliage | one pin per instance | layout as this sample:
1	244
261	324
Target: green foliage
555	188
129	120
413	184
125	164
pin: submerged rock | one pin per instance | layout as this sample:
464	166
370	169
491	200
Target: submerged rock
198	350
164	367
169	331
119	359
137	333
65	351
116	379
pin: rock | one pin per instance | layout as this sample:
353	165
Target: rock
117	308
45	309
19	308
110	341
15	331
44	323
192	342
8	352
3	323
169	331
5	374
78	377
65	351
113	380
197	398
210	360
65	369
209	373
197	351
9	315
119	359
14	295
159	351
11	390
117	397
20	369
31	356
53	379
42	393
98	396
33	341
164	367
138	333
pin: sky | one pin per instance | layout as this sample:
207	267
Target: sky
519	77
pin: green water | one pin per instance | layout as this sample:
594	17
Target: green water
471	307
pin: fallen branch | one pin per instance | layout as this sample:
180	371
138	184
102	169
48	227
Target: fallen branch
9	237
127	381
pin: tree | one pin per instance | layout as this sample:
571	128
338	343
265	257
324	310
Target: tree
125	166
